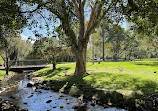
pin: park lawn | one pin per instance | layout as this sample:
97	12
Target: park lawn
2	74
137	77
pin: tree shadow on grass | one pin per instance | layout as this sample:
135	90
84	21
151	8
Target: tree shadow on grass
104	92
147	64
124	82
51	72
147	88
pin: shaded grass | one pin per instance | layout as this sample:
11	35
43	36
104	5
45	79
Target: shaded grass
50	74
77	86
137	77
147	63
2	74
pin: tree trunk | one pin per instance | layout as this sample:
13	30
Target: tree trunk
103	50
93	50
115	57
7	67
7	63
80	61
54	66
103	44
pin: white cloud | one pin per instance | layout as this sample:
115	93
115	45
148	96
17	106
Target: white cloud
23	37
32	42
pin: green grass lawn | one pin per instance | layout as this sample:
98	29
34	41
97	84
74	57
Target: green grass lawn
2	74
137	77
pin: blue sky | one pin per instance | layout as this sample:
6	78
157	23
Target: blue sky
28	33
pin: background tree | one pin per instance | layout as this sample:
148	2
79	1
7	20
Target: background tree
70	12
51	49
52	53
11	20
11	48
104	28
117	37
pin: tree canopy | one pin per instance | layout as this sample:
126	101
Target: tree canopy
70	12
143	15
10	14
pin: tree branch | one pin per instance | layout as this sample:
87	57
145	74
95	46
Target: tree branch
38	7
94	13
83	2
69	32
44	19
2	57
91	4
133	5
12	61
81	20
88	31
74	1
66	25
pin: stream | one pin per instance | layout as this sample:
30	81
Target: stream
15	90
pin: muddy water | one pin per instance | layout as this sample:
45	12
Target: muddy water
39	99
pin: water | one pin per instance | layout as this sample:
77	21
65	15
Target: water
35	99
17	82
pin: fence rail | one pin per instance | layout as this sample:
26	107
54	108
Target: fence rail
29	62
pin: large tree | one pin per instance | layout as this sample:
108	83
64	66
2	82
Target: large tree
71	11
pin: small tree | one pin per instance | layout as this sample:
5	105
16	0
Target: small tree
12	47
51	53
8	49
10	19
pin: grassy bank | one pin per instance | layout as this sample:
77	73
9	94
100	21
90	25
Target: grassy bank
132	87
137	76
2	74
134	77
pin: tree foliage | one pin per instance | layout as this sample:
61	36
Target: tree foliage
12	47
10	15
121	44
143	15
72	12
